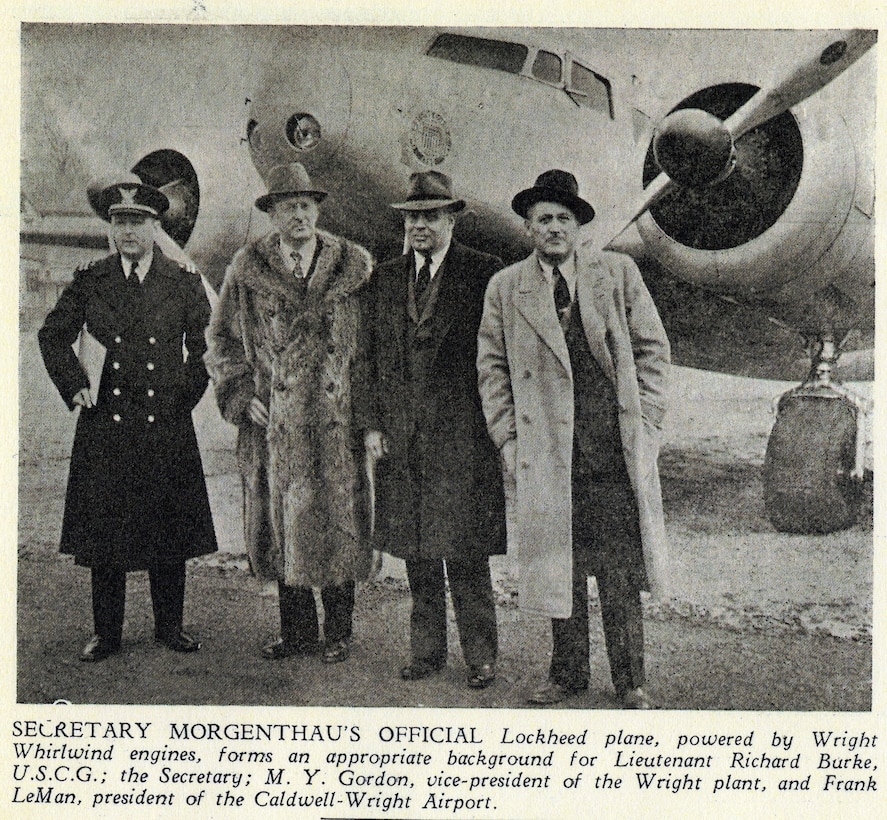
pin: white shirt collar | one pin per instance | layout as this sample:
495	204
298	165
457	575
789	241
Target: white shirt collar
436	259
306	254
140	266
567	269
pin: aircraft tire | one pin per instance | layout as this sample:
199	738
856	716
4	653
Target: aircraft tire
807	483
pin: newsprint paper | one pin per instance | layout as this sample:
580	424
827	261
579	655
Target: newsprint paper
765	656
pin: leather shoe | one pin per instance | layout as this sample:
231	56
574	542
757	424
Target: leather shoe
179	641
280	649
637	699
480	677
417	670
336	651
553	692
98	649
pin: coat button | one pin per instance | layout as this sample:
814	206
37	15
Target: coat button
117	340
116	417
525	465
525	417
527	374
116	365
280	386
150	365
150	393
152	340
330	348
330	387
116	391
150	419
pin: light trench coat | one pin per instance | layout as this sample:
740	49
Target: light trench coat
526	386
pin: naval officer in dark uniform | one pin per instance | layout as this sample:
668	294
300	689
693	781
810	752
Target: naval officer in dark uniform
136	496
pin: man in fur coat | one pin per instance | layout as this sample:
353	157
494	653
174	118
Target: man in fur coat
439	499
282	342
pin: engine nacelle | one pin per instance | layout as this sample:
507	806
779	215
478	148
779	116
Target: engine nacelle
782	227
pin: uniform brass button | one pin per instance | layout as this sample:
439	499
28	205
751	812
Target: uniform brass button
524	465
152	341
117	340
330	387
527	374
280	386
150	393
150	419
116	417
331	349
116	391
525	418
150	365
116	365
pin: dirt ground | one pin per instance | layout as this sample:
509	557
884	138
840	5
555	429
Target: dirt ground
759	620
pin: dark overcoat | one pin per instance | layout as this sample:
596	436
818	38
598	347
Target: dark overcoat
136	494
461	509
305	514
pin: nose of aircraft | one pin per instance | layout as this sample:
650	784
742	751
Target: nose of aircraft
301	110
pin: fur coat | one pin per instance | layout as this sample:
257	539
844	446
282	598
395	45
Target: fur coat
305	516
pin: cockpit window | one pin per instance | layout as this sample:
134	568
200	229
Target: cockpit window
547	67
590	89
476	51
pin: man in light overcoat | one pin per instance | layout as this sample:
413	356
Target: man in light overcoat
439	501
572	364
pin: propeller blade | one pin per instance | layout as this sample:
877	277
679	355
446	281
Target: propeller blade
660	186
805	80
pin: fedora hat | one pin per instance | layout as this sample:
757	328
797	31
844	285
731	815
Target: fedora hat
554	186
430	190
285	181
128	195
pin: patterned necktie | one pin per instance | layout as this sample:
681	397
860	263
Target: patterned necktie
561	292
423	280
297	262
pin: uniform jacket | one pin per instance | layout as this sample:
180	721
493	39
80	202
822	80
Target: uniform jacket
526	385
461	509
296	355
136	493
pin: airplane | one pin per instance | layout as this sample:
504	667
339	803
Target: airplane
736	167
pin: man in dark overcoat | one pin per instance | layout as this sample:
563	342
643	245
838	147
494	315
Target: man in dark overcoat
136	496
439	500
283	341
572	366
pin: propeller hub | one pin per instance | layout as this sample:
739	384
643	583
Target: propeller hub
694	148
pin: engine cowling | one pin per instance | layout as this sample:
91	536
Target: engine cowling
781	226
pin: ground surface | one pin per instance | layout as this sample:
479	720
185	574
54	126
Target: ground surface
759	620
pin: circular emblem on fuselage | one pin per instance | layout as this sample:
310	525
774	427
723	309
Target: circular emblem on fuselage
430	138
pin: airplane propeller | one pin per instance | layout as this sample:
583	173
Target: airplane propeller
695	149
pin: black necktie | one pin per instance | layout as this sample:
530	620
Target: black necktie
423	280
561	291
132	281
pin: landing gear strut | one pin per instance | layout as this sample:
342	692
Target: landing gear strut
814	465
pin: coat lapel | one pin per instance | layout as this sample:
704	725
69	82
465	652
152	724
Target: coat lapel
113	294
595	297
156	285
451	297
536	304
